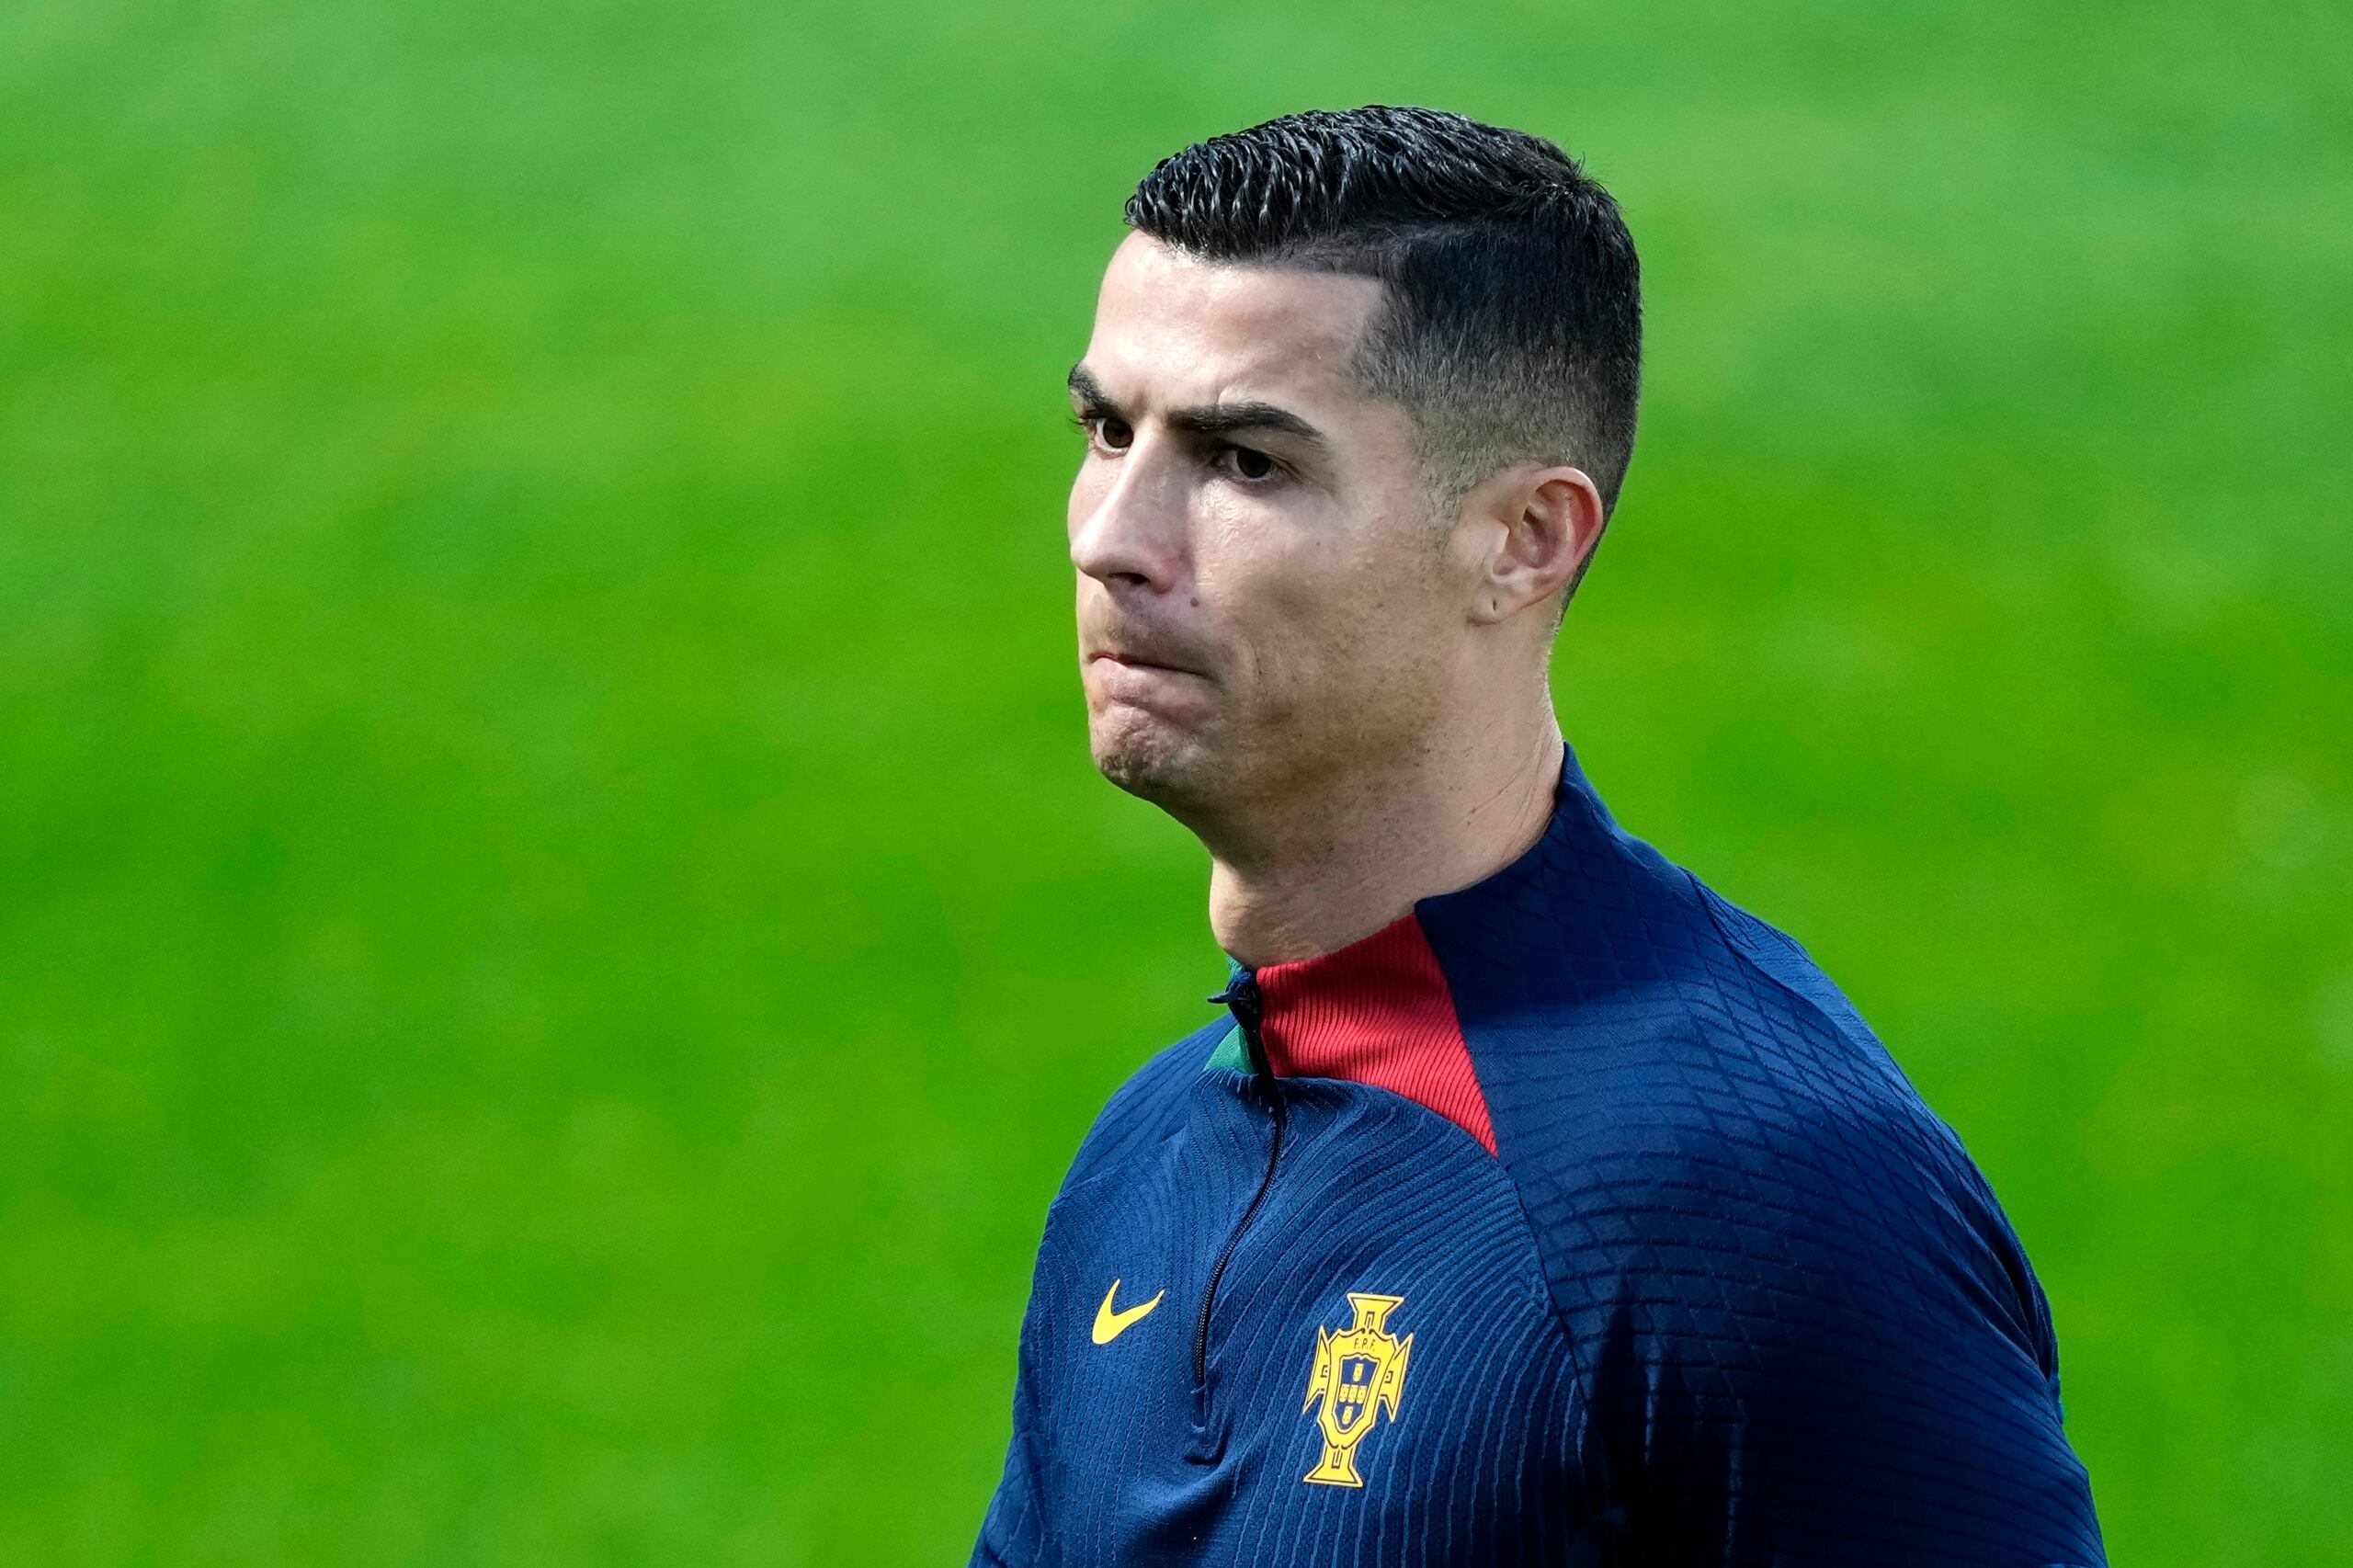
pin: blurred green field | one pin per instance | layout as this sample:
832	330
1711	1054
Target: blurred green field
556	931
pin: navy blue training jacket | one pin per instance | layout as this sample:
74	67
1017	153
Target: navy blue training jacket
1575	1218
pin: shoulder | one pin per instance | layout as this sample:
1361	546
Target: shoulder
1801	1316
1149	1107
1801	1322
1728	1133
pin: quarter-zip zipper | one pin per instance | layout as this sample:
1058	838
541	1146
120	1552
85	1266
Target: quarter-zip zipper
1242	996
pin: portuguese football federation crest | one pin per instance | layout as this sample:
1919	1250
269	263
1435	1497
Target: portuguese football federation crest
1358	1373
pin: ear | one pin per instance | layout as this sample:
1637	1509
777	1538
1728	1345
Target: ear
1543	524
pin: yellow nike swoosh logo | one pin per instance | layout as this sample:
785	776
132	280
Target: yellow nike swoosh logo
1108	1325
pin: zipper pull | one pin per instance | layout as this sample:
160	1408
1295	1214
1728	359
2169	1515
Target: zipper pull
1242	997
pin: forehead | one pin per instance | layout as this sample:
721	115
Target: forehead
1172	329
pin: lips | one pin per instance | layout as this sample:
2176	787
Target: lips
1137	659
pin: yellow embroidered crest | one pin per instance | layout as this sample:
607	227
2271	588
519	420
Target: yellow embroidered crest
1358	1373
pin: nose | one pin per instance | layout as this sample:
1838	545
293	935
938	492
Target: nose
1127	520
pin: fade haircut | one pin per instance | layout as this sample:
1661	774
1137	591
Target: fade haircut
1511	329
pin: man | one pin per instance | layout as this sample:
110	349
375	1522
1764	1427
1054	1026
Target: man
1530	1203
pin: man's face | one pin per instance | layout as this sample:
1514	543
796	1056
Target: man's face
1263	599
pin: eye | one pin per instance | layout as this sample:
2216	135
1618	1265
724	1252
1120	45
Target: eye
1106	434
1247	463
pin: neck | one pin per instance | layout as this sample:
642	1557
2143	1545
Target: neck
1328	866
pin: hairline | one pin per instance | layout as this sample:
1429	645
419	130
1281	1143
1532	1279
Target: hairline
1436	451
1445	485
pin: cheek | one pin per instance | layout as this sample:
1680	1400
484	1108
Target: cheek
1255	586
1368	637
1316	607
1282	602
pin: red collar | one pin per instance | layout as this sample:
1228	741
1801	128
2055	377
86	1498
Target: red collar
1377	1011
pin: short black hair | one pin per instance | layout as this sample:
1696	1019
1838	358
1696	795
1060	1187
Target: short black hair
1513	326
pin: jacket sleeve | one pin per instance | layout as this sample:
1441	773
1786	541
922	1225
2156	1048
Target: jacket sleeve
1785	1366
1009	1531
1012	1531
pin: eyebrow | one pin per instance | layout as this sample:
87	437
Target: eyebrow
1204	419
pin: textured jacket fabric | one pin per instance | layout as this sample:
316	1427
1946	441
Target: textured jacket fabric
1575	1218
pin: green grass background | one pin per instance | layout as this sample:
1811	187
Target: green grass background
556	931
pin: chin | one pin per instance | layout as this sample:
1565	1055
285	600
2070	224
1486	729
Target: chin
1148	759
